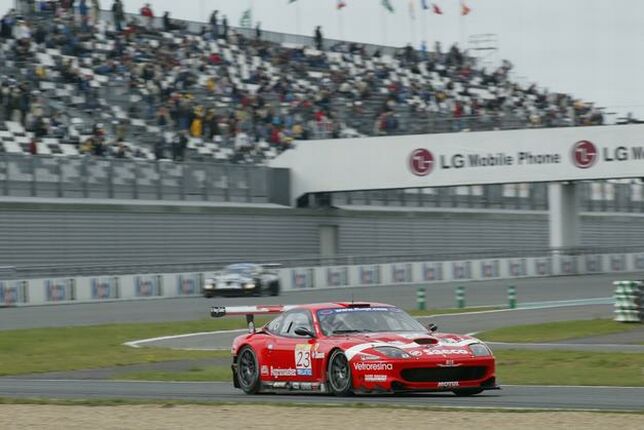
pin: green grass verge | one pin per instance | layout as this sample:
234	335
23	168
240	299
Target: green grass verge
556	331
570	368
73	348
196	374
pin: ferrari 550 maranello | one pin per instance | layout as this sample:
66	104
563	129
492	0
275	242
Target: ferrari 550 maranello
243	279
345	348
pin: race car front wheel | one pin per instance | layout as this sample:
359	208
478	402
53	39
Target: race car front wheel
339	374
248	371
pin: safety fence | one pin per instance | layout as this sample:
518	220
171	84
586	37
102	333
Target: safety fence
43	291
629	301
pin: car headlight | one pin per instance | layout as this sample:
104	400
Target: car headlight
249	286
392	352
480	350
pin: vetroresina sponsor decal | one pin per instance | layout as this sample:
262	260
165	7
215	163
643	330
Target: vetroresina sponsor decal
377	367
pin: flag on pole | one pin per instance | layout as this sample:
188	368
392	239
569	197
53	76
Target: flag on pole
424	4
465	9
387	5
340	4
291	1
246	20
412	10
437	10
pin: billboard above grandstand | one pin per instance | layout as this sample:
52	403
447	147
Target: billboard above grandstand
438	160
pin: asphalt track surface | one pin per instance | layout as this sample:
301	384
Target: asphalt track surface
485	293
478	294
532	397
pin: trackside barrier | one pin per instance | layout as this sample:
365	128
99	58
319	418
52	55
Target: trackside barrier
512	297
629	301
420	299
460	297
43	291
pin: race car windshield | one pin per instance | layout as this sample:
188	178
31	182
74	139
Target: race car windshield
237	270
366	320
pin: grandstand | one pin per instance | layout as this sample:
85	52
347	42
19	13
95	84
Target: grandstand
161	113
85	88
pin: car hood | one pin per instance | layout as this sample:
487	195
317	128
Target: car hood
416	344
234	278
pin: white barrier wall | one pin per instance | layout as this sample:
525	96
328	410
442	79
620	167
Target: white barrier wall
151	286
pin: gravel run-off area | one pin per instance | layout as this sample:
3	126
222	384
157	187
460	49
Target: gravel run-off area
160	417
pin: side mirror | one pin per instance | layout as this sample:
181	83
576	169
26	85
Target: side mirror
303	331
432	327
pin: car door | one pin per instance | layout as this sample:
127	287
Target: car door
293	354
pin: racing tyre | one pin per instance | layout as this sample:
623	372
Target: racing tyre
339	374
248	371
274	289
468	392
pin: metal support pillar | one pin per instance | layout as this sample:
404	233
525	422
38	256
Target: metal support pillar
563	203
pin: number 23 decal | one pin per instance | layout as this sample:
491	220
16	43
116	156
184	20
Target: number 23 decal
303	360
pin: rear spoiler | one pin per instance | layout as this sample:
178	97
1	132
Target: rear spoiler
249	312
271	265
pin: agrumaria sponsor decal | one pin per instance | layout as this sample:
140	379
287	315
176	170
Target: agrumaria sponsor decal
276	373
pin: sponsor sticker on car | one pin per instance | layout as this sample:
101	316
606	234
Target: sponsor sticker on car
366	366
448	384
375	378
447	352
303	360
276	372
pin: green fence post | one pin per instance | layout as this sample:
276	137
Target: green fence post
512	297
460	297
420	299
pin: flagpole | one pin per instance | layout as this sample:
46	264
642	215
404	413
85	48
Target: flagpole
383	18
462	27
251	4
412	42
425	13
297	18
340	24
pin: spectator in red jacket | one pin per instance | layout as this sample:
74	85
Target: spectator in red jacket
146	12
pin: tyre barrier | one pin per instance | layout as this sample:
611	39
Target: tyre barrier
629	300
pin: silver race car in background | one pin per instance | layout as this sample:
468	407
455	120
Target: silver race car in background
243	279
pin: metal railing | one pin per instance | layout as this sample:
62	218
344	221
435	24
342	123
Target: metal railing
109	178
38	271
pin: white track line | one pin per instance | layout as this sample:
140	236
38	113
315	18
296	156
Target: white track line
137	343
524	307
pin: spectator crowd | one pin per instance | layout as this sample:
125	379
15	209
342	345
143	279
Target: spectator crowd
114	84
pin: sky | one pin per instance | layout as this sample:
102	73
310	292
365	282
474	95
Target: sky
591	49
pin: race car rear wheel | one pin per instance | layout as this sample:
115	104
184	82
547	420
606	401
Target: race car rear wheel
248	370
339	374
468	392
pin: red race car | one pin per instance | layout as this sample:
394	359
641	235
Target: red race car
345	348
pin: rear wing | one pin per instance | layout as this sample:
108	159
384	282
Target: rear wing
250	312
270	266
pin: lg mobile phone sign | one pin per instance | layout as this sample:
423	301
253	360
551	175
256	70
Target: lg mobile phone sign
436	160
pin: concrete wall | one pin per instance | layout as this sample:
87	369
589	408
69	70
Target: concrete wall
50	291
106	232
